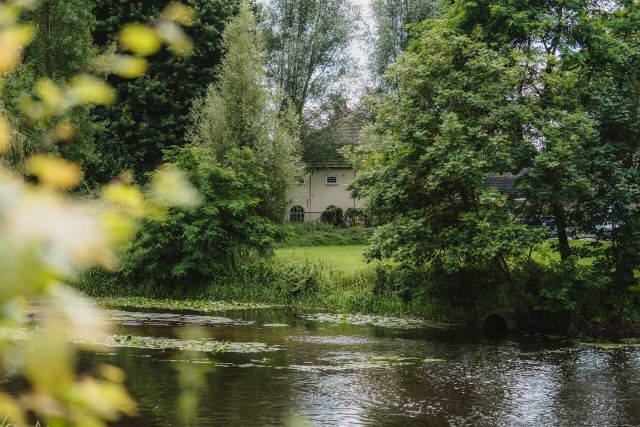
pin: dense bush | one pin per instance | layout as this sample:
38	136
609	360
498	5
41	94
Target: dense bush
193	245
333	216
153	112
320	234
355	217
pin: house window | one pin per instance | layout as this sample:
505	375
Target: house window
332	180
296	214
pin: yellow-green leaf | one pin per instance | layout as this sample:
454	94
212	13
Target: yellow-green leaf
5	135
140	39
127	66
54	172
92	90
179	43
180	13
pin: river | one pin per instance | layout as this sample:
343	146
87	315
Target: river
279	366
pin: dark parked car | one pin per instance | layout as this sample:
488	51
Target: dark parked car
605	231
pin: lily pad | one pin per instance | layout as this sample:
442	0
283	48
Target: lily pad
132	318
204	345
432	360
605	345
154	343
388	322
202	306
335	340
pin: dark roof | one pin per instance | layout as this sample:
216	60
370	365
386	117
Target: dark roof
505	184
346	132
330	160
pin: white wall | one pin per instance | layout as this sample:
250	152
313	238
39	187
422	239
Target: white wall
315	195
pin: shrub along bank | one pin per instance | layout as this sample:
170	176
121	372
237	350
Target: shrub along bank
375	289
337	279
319	233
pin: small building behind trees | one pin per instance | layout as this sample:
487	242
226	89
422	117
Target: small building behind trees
329	174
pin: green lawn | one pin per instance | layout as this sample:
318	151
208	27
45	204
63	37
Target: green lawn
350	258
345	258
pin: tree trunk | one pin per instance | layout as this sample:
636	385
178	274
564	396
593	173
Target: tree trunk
561	227
499	267
624	254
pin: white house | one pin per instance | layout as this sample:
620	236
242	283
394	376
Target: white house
326	183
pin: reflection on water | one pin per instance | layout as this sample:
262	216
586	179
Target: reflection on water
341	374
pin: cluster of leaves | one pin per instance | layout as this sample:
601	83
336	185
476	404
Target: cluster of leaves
333	216
153	112
444	140
393	19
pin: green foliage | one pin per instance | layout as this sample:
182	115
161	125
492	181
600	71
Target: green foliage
447	128
308	47
153	112
547	92
238	111
318	233
584	127
333	216
609	83
392	18
355	217
307	285
192	246
62	48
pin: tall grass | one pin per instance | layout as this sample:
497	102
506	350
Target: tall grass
306	285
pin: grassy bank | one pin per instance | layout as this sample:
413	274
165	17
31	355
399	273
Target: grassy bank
338	258
328	278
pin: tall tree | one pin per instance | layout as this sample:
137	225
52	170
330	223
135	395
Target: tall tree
446	127
609	66
308	45
62	48
392	18
559	132
564	95
238	112
153	112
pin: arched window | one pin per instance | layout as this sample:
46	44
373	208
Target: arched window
330	207
296	214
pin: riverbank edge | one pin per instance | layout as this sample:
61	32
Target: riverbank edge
203	307
299	286
600	336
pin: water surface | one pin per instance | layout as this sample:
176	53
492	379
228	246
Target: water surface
342	374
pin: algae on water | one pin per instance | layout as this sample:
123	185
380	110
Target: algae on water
202	306
152	343
384	321
136	318
202	345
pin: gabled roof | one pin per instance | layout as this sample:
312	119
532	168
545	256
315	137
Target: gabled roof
506	184
346	131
